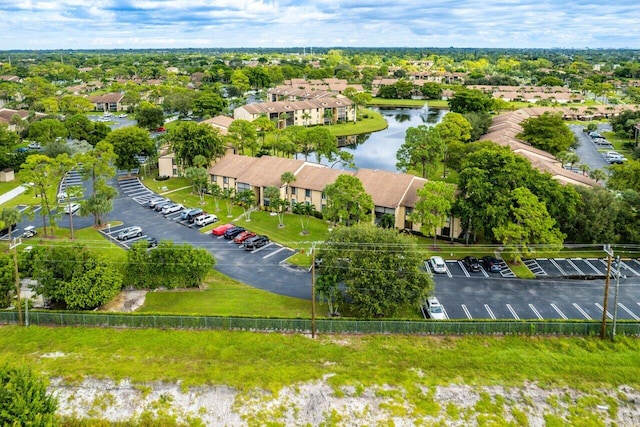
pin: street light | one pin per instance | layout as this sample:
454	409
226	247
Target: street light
603	329
615	307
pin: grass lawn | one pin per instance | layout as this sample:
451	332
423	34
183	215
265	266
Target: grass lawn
246	360
227	297
369	121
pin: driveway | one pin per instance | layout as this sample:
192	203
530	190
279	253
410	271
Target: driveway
588	151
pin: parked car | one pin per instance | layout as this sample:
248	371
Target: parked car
172	208
233	232
437	264
129	232
185	212
595	134
152	242
221	229
255	242
153	202
29	231
246	234
471	263
161	129
161	205
122	116
194	214
491	264
72	208
34	146
614	157
207	219
434	309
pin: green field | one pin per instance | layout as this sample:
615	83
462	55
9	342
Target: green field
247	360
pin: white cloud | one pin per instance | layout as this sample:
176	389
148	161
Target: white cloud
284	23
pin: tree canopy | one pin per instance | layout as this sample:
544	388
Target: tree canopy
547	132
190	139
347	201
128	143
379	268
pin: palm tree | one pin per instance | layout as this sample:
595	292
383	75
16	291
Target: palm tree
598	175
282	120
10	217
228	194
216	193
328	115
305	117
246	198
286	179
584	168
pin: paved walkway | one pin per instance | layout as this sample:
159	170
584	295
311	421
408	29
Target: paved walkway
4	198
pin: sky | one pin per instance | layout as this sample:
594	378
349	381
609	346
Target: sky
141	24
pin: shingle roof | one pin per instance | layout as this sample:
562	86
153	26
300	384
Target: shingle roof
107	98
386	188
316	178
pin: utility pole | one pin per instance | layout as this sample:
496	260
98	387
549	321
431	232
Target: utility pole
603	330
313	291
615	299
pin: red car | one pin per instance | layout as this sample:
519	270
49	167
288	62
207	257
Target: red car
243	236
161	129
219	230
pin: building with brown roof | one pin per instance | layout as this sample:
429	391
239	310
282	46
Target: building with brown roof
322	111
109	102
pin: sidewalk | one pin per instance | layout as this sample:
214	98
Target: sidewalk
4	198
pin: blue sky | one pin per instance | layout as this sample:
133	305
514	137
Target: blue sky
133	24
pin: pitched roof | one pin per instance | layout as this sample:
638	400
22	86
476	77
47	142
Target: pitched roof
316	177
386	188
262	171
107	98
220	122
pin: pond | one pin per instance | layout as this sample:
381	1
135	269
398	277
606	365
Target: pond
378	150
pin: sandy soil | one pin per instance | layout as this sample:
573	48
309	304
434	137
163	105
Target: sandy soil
318	403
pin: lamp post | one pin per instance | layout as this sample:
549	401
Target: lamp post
615	307
603	329
313	291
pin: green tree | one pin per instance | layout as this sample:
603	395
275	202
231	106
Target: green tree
469	100
240	81
347	201
10	277
529	224
241	133
287	178
547	132
325	143
379	268
435	200
8	284
83	129
62	165
216	192
208	103
431	90
190	139
75	276
72	104
596	217
263	126
46	131
149	116
422	148
246	199
24	400
39	172
198	176
625	176
276	203
97	166
304	211
128	143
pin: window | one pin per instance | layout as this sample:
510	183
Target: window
294	191
225	180
324	196
241	186
307	193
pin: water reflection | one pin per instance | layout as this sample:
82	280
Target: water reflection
380	149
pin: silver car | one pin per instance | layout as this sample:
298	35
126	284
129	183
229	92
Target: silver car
129	233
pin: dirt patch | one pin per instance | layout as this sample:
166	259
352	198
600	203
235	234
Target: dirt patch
126	301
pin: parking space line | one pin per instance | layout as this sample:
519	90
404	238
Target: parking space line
447	268
584	313
593	267
535	268
601	308
446	315
513	312
535	311
273	253
486	307
570	261
624	264
464	270
555	307
555	264
466	311
629	312
484	272
261	248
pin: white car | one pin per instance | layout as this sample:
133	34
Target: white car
174	207
437	264
129	232
72	208
203	220
122	116
434	309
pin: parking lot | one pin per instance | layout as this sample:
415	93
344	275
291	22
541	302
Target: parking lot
455	268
